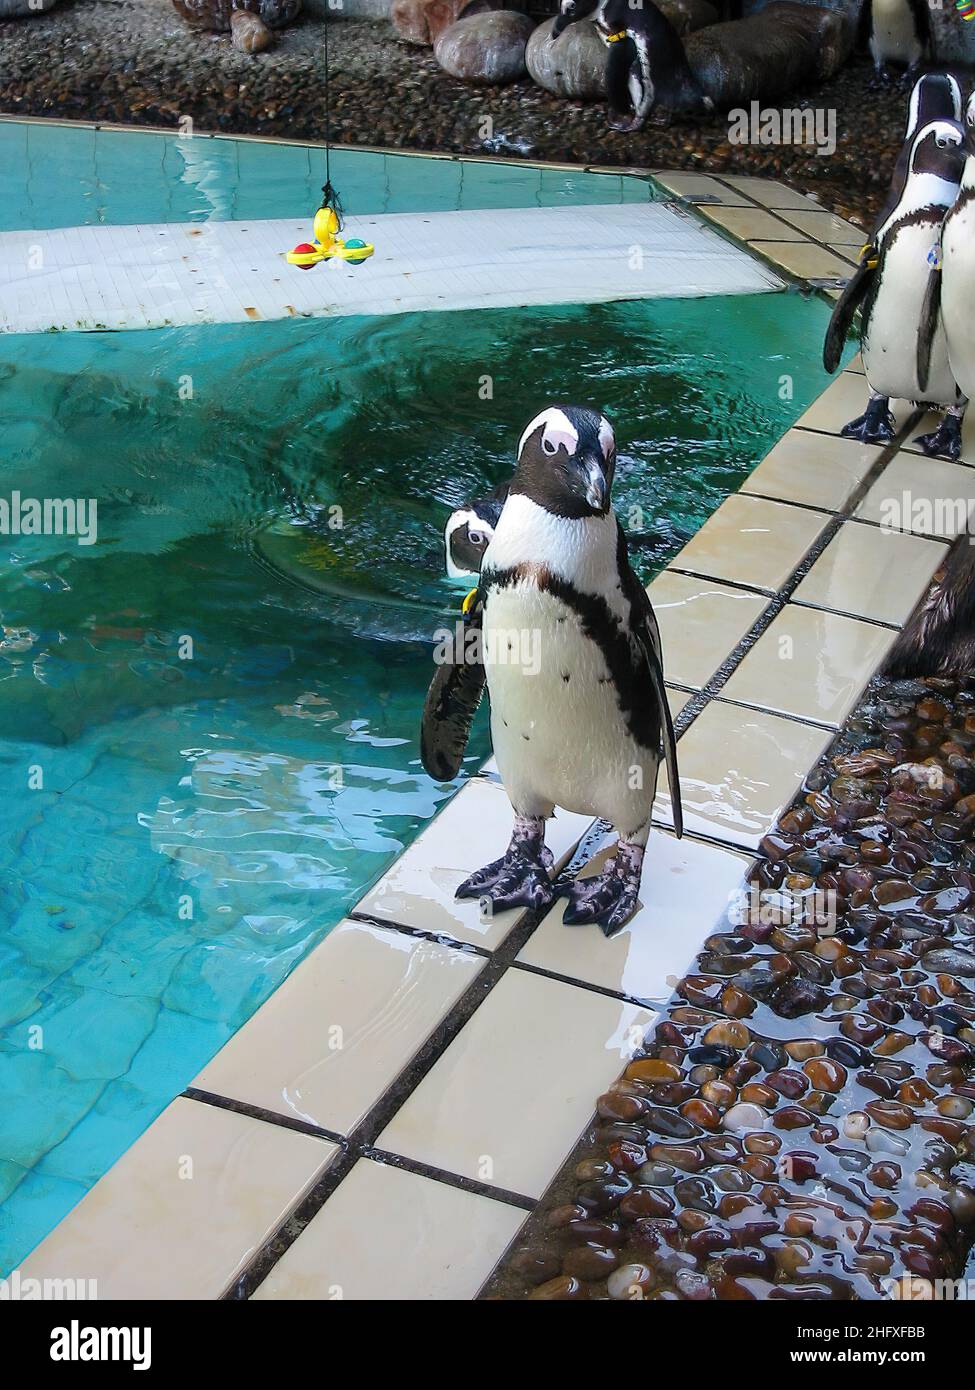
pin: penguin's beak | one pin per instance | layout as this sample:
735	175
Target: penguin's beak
596	487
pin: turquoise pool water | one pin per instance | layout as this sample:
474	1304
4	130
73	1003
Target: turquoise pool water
208	718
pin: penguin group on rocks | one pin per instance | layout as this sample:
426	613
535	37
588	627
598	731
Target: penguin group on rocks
579	713
915	332
647	69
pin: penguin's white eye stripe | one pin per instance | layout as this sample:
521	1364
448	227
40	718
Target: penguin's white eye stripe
559	430
606	437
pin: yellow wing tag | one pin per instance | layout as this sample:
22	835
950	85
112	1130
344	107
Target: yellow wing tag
468	603
615	38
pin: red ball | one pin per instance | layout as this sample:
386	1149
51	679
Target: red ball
306	247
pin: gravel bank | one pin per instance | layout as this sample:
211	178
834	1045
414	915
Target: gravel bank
134	61
799	1126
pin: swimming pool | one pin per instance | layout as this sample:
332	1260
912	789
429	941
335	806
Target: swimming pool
208	718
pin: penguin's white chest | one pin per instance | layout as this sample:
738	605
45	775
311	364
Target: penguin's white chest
560	737
890	342
958	295
894	36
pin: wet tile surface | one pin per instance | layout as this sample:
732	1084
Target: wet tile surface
824	226
929	499
870	573
701	622
749	540
738	769
474	828
810	664
750	224
513	1092
700	186
686	888
804	259
816	470
335	1035
385	1233
185	1208
769	193
844	401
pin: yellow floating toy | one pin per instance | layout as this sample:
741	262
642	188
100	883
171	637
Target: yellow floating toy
327	245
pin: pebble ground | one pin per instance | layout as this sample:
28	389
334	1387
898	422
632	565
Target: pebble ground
135	61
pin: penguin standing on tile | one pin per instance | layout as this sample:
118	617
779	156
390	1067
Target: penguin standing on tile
898	32
570	652
893	287
647	68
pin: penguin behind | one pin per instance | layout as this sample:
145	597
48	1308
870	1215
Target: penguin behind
570	652
647	68
895	293
952	289
898	32
936	97
469	530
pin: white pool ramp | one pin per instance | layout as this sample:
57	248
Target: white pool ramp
151	276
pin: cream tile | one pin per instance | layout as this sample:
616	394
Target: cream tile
698	188
804	259
738	769
752	224
809	664
676	700
343	1025
846	400
386	1234
182	1212
701	623
930	421
418	891
871	573
751	541
824	226
848	253
513	1092
770	193
818	470
687	887
929	497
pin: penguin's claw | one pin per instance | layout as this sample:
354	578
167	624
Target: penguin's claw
512	881
608	900
872	427
944	442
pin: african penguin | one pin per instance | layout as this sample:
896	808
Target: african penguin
571	658
647	67
897	31
894	289
953	288
936	97
469	530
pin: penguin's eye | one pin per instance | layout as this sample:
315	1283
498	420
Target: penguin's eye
549	447
477	537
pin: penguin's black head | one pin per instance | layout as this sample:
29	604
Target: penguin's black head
469	532
936	97
570	11
566	461
939	151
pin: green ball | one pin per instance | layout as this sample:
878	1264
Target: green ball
353	244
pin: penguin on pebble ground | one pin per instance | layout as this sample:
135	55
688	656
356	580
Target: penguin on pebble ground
893	288
647	66
897	31
936	97
563	634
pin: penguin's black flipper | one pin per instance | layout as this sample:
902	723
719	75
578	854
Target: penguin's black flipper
930	311
448	711
644	623
846	306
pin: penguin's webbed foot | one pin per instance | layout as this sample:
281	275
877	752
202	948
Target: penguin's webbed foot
611	898
520	878
945	441
616	120
874	426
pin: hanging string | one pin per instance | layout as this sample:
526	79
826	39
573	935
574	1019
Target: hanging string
330	198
